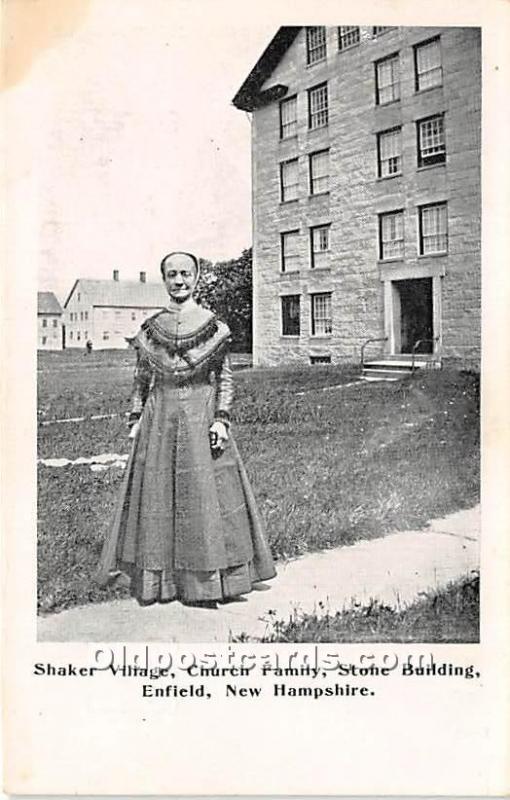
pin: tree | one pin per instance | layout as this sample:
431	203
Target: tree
226	288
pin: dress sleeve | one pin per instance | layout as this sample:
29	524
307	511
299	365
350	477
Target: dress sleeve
141	385
224	390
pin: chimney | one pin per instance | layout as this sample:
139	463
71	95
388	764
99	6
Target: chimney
115	274
143	277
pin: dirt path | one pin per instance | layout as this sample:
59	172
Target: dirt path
393	569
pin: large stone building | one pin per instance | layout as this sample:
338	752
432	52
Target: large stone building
107	312
49	322
366	193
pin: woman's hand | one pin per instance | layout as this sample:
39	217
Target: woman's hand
134	424
218	437
134	429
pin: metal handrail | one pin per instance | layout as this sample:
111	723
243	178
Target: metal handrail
370	341
415	347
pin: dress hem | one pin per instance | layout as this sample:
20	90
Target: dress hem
149	586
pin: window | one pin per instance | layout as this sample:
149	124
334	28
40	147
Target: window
289	180
427	62
391	235
45	322
288	117
70	334
290	250
79	297
86	334
320	359
315	44
318	106
81	315
319	237
321	314
319	172
290	315
78	335
44	340
389	153
85	315
347	37
431	142
387	80
378	29
133	315
55	323
433	229
106	335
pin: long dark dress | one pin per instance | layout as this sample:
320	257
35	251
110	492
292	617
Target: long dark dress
187	524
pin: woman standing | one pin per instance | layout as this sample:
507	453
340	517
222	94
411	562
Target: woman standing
186	525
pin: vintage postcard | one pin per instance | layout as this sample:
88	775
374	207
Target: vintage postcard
255	439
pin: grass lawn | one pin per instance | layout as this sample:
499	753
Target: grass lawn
328	467
449	615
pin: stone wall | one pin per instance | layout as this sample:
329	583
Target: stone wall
355	276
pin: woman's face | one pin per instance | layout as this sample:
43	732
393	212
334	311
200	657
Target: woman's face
180	276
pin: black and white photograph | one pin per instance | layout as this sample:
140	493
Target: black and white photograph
255	454
266	427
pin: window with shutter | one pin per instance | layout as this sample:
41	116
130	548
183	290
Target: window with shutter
318	106
391	235
428	68
433	227
322	324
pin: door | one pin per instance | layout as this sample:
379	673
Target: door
416	319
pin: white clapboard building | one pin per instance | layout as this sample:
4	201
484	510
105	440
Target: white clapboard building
107	312
49	322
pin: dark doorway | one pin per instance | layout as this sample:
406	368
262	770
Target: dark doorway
416	315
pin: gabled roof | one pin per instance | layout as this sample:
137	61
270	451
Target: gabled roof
124	294
249	95
47	303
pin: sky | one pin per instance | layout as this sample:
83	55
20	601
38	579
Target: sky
136	149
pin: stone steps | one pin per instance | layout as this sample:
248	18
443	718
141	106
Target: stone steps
392	368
